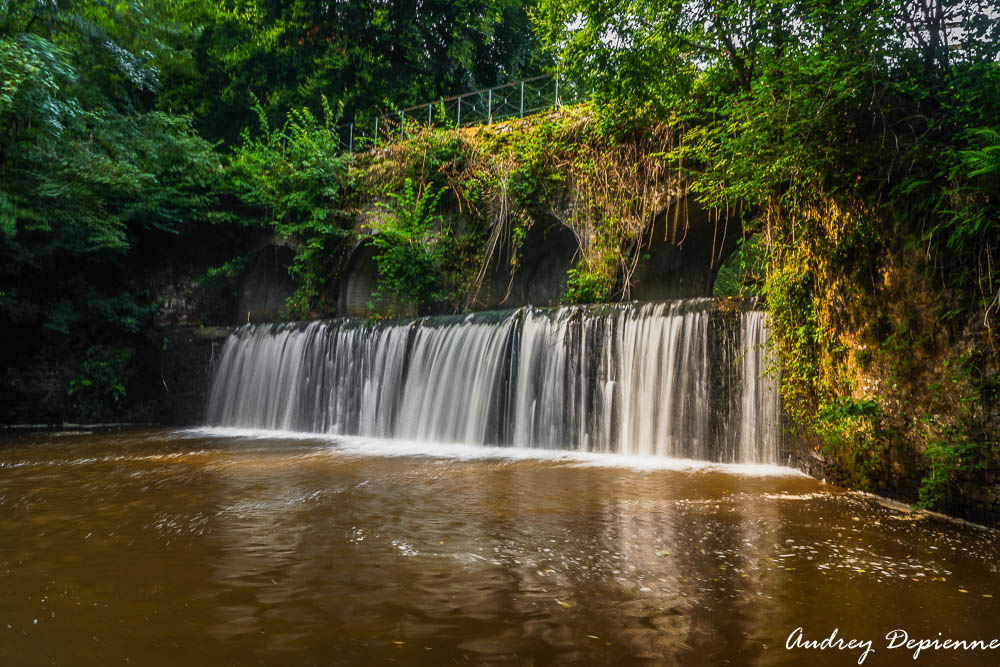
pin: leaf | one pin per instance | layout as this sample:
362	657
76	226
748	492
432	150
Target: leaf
8	221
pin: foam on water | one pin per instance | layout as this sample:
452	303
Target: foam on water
384	447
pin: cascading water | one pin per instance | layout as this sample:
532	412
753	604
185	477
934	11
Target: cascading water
627	379
624	378
760	404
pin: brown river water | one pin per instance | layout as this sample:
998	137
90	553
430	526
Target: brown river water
159	547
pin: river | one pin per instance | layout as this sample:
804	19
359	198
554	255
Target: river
162	547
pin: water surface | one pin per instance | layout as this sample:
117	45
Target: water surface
156	547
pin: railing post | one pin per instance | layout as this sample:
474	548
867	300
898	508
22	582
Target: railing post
522	110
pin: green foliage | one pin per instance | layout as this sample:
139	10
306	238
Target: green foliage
853	133
950	455
855	436
848	408
229	269
294	180
88	179
414	245
745	270
791	303
585	287
99	379
426	155
500	181
956	448
608	187
555	169
358	53
104	183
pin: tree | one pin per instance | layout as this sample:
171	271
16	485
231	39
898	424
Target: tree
359	54
89	172
860	138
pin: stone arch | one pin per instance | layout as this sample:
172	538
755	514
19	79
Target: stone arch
359	281
265	287
674	264
545	256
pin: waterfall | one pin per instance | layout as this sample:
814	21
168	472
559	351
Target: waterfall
760	405
636	379
623	378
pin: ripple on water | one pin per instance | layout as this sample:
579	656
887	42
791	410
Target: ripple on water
294	550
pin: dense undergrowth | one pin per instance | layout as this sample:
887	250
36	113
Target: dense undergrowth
128	185
500	180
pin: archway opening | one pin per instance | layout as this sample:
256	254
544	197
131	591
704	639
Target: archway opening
677	262
359	282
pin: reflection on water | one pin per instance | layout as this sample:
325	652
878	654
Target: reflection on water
165	548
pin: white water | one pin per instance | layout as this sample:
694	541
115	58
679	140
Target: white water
633	379
760	404
331	445
629	381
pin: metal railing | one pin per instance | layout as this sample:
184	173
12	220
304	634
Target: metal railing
479	107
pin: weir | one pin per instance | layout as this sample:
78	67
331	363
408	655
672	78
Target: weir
684	378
